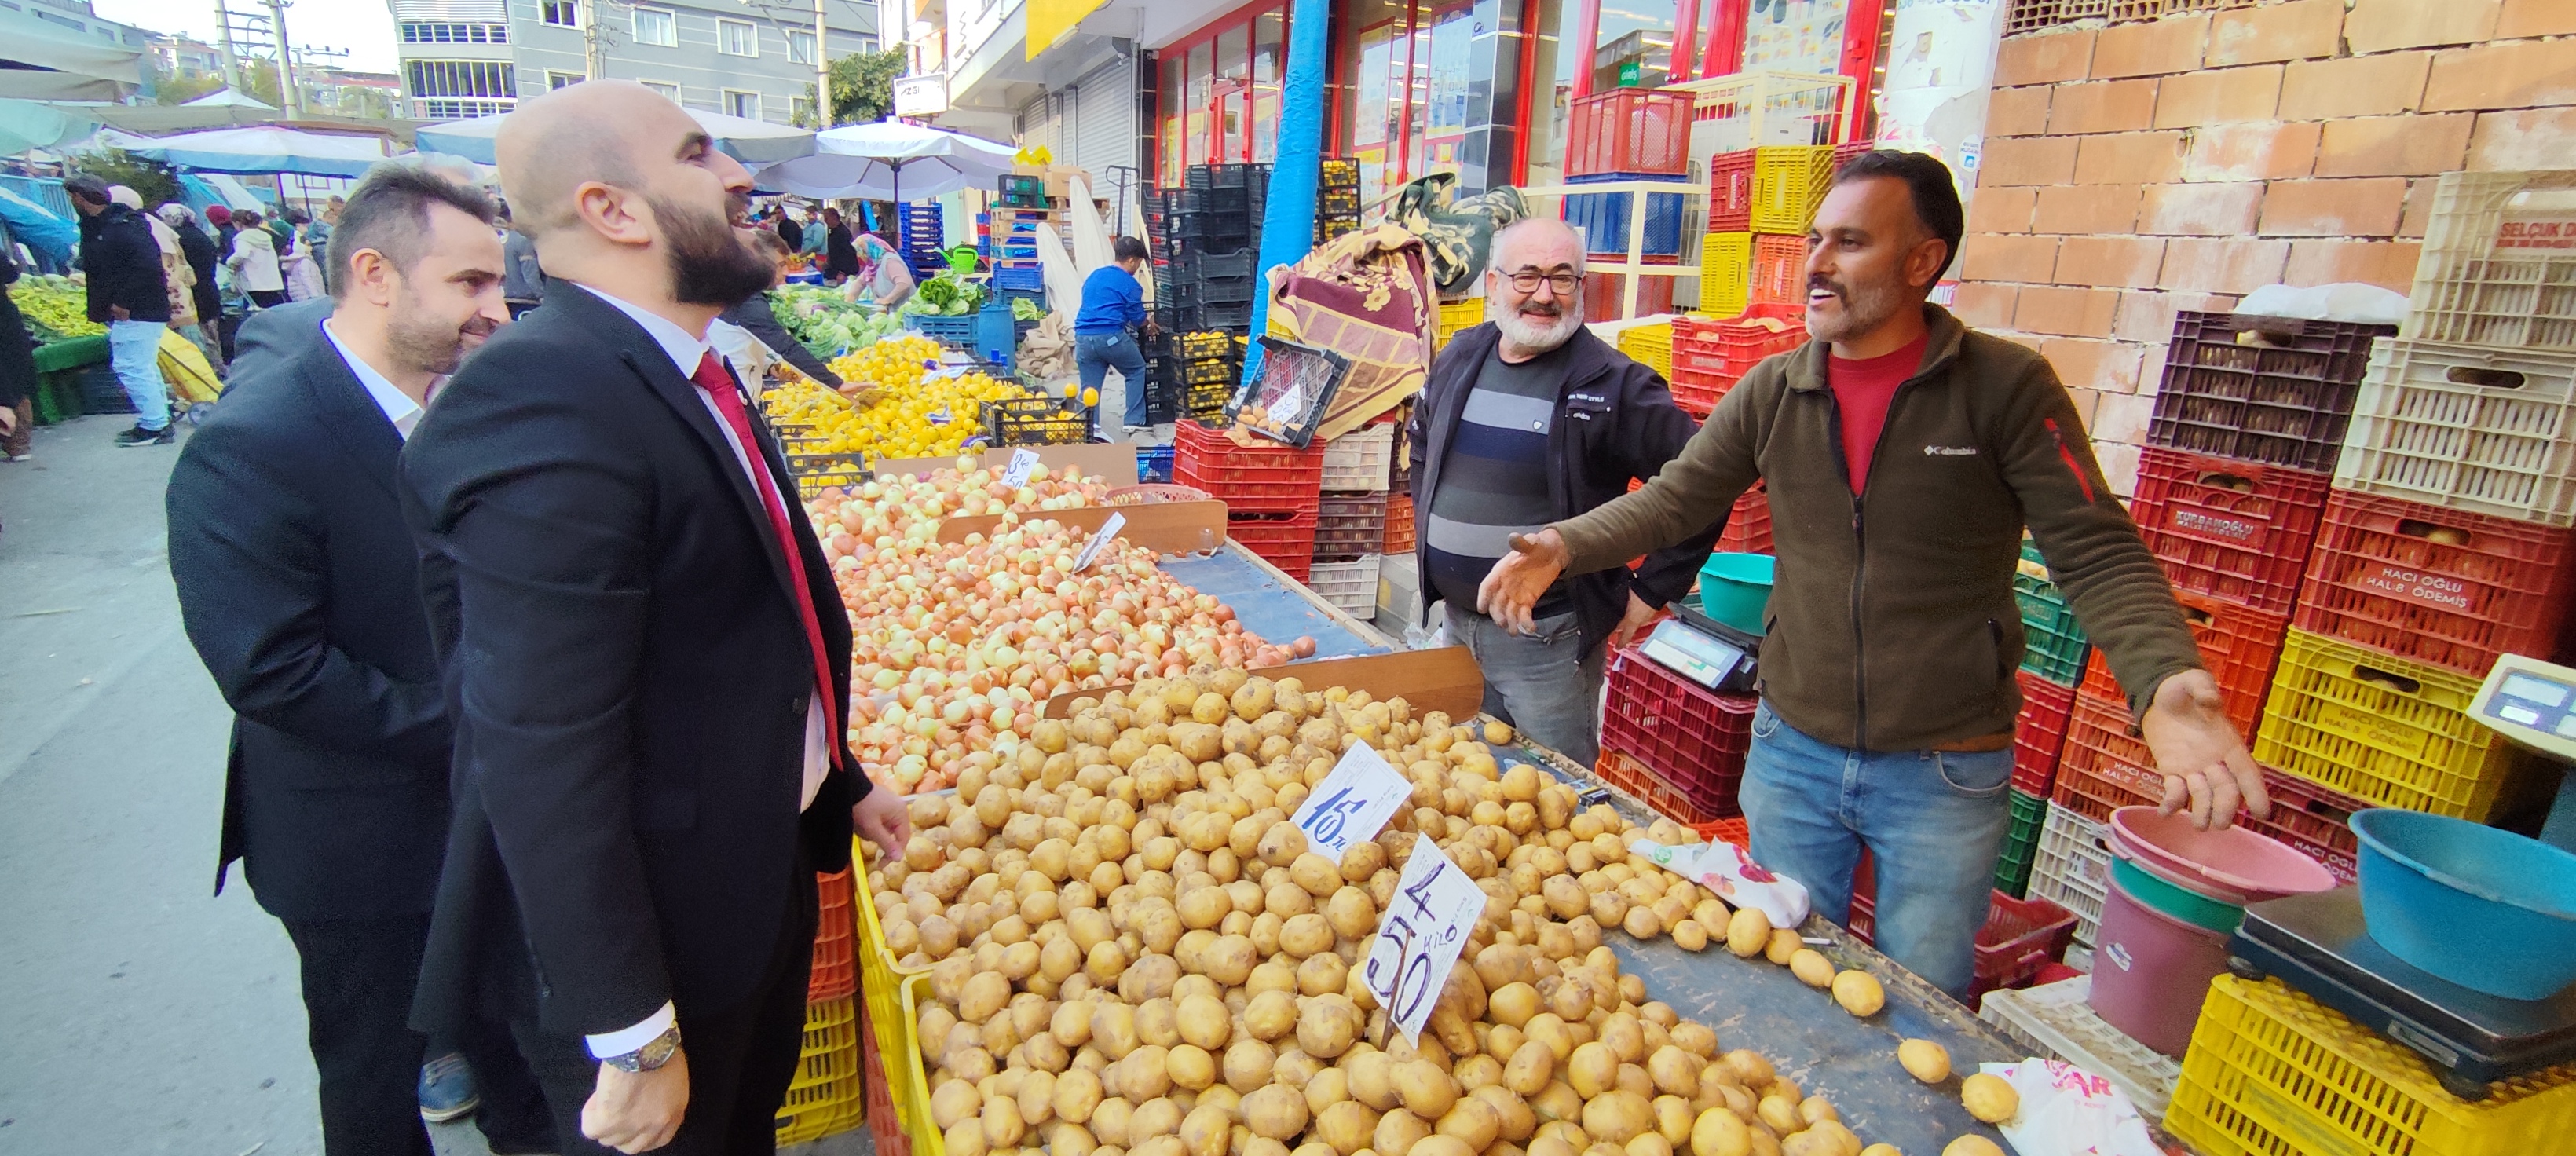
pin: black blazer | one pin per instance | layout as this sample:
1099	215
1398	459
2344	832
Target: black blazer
298	585
629	678
269	334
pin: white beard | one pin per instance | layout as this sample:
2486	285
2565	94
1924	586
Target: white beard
1522	332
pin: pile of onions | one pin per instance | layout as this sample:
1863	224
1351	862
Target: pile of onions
878	514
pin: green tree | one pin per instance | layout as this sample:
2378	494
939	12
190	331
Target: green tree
862	87
182	89
150	179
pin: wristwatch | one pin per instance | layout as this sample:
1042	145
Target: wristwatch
655	1053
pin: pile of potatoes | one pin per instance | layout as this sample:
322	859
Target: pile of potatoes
1132	952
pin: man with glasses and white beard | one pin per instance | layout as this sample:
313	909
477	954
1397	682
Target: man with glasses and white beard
1526	420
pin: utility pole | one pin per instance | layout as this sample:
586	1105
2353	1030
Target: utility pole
293	100
594	37
822	71
224	32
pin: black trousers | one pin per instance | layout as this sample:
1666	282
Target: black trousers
740	1058
358	977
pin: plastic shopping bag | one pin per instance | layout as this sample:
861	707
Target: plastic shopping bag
1726	869
2067	1111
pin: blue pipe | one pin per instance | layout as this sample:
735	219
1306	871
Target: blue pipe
1288	219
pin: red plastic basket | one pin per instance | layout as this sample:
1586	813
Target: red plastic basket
1264	477
1779	270
2021	937
836	971
1709	357
2312	818
1399	525
2103	769
1286	541
1627	774
2039	735
1629	130
1725	831
1730	192
877	1094
1686	736
1748	529
2240	644
1863	922
2443	587
1604	293
2236	529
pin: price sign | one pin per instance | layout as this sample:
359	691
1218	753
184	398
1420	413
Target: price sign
1425	927
1022	461
1353	803
1091	549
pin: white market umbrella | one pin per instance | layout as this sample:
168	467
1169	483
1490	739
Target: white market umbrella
889	161
258	150
229	98
753	142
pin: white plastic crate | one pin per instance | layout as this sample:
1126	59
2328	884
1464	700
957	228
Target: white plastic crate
2489	431
1358	460
2073	867
2499	262
2057	1021
1350	586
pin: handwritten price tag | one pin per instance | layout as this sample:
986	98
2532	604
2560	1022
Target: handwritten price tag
1091	549
1426	926
1352	804
1022	461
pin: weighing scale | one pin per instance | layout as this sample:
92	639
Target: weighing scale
1703	649
2318	944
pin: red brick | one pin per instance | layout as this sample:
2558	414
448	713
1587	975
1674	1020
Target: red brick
2119	463
2419	207
2380	25
2251	152
2066	312
2353	208
2027	161
2044	58
2002	210
2230	265
2298	30
2218	96
2001	257
2387	264
2128	262
2535	18
2083	401
2105	367
2086	209
2122	418
2390	146
2509	74
2526	138
2025	340
2140	158
2102	106
2152	48
2017	111
2202	210
2354	86
1984	306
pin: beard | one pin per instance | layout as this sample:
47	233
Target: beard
1538	326
417	339
709	264
1862	311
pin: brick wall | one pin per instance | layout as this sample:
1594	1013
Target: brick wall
2140	168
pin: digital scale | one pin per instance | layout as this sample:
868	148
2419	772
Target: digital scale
2318	944
1703	649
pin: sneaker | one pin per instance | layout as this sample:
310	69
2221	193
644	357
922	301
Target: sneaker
447	1089
139	436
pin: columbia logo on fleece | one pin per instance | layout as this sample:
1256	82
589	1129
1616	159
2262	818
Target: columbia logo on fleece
1949	451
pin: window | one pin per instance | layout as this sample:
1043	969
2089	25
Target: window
800	46
669	92
486	78
555	80
455	33
653	26
458	109
800	109
742	104
737	38
561	13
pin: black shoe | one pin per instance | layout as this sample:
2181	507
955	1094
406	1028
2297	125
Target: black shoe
139	436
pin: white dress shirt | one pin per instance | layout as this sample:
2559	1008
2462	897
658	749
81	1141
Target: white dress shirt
685	352
399	408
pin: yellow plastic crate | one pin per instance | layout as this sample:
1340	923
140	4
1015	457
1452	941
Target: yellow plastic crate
1725	274
825	1096
1788	182
893	996
2392	731
1458	315
2272	1073
1651	345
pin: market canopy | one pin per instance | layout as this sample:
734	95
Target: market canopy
228	98
38	64
257	150
889	161
753	142
47	233
28	124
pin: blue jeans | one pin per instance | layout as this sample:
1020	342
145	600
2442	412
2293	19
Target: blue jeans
1095	354
1933	821
1542	682
134	352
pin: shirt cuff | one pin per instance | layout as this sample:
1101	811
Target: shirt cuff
619	1043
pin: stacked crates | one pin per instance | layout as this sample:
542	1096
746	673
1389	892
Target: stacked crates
1215	214
918	232
1710	356
1273	494
1010	241
1337	200
825	1096
2052	665
1760	201
1629	134
1198	372
1351	526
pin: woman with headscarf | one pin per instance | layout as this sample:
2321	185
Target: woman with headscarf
253	261
200	251
882	275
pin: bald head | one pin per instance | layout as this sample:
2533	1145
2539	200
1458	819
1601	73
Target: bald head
1543	242
602	131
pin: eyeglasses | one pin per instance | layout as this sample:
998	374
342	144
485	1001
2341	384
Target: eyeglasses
1527	281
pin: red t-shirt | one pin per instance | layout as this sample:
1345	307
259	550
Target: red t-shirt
1862	390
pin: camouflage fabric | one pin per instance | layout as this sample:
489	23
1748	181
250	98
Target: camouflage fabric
1456	234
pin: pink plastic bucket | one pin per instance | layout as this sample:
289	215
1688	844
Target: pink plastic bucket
2234	866
2151	971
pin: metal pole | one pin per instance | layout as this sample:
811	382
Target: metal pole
592	64
1288	215
822	71
224	32
285	59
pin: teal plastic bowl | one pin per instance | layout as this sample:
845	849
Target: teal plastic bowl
2486	909
1735	589
2198	910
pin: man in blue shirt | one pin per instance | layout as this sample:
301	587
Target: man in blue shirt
1112	301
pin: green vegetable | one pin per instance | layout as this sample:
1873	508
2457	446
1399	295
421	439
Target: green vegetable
1023	309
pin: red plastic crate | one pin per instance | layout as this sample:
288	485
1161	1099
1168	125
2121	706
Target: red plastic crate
1627	774
2039	735
1686	736
835	974
877	1096
1603	293
1779	270
2021	937
1399	525
1709	357
2312	818
1863	921
2382	577
1730	192
2240	644
1629	130
1273	478
1286	541
1843	153
2102	768
1725	831
1748	529
2236	529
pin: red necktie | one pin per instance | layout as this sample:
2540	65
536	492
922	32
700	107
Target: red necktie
718	383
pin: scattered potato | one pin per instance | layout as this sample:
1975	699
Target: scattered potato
1972	1145
1812	968
1924	1060
1989	1098
1859	993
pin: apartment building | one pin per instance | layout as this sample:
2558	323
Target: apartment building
747	58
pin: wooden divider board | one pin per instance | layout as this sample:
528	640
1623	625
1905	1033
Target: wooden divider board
1112	462
1163	527
1446	679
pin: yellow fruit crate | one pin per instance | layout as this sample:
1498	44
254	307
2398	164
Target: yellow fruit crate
2391	731
817	472
893	995
2272	1073
1725	274
1651	345
825	1096
1458	315
1788	182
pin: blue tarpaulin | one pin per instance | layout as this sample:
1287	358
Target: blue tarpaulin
48	236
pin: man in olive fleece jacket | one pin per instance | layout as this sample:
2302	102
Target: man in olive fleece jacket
1903	455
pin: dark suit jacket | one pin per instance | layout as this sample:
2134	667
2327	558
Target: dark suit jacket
273	334
298	584
629	677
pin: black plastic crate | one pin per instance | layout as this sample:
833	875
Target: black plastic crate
1035	421
1349	526
1021	190
1162	402
1206	403
1196	345
1236	316
1224	291
1237	263
2263	389
1225	369
1341	173
1226	176
1234	200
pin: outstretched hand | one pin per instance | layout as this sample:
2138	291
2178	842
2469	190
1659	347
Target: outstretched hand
881	818
1516	583
2201	756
